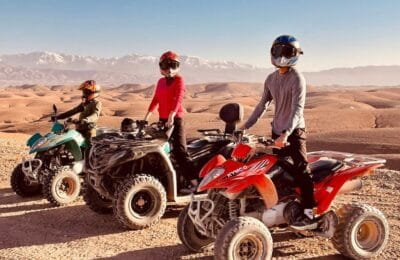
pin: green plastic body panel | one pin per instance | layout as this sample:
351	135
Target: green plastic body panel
31	141
72	139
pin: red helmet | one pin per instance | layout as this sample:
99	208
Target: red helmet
90	89
170	55
169	64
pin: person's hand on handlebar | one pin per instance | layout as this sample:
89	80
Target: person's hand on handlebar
73	121
281	141
242	128
170	121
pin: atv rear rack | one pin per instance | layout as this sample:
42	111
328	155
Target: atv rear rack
347	158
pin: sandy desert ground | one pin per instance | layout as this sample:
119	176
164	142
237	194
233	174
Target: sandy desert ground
359	120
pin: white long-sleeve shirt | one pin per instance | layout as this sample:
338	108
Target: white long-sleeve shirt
288	91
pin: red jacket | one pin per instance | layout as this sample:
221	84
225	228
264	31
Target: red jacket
168	97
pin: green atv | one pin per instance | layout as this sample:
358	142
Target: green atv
57	167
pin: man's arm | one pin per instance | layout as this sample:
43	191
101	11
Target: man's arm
298	102
71	112
261	107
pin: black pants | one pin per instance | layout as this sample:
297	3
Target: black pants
179	150
299	170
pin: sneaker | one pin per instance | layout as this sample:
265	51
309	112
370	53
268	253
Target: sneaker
306	221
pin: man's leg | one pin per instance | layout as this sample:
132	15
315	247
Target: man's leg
298	152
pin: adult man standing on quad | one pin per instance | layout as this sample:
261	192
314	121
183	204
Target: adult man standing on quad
168	96
89	110
287	87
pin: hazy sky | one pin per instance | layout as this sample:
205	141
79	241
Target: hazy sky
333	33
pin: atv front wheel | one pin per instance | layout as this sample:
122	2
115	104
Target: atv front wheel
362	232
243	238
189	235
62	186
140	201
21	185
95	201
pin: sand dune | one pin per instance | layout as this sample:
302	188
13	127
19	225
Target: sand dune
364	121
351	119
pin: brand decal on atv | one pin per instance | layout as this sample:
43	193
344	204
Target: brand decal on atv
252	169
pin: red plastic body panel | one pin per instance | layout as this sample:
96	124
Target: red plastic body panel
326	191
211	164
241	151
238	176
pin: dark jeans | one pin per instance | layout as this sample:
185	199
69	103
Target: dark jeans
179	150
299	170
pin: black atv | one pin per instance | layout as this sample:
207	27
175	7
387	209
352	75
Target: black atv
134	174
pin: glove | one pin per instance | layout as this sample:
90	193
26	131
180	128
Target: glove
76	121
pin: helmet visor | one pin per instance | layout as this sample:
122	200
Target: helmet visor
169	64
282	50
86	92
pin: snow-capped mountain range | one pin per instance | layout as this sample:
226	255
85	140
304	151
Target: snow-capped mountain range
55	68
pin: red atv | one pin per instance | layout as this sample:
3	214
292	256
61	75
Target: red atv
251	193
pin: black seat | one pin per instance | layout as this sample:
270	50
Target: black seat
323	168
231	114
196	144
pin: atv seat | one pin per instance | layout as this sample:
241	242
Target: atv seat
323	168
196	144
231	114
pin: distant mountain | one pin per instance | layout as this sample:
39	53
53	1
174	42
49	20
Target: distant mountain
54	68
358	76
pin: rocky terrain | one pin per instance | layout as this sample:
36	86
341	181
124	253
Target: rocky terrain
32	229
362	120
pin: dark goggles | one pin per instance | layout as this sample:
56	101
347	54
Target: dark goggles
281	50
169	64
86	92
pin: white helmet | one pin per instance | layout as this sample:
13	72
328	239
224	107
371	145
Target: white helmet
285	51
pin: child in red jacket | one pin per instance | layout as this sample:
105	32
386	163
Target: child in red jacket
168	96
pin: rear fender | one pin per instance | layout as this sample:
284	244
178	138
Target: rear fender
216	161
172	180
75	150
327	191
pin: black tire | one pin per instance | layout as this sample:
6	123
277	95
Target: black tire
243	238
20	186
362	232
61	187
140	201
189	236
95	201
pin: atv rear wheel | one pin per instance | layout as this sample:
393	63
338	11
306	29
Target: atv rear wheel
189	236
21	185
362	232
62	186
95	201
140	201
243	238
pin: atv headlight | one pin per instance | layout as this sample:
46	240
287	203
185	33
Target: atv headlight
213	174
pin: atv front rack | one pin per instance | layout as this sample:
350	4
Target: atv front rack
347	158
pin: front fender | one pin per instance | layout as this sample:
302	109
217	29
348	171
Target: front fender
264	186
33	139
55	140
